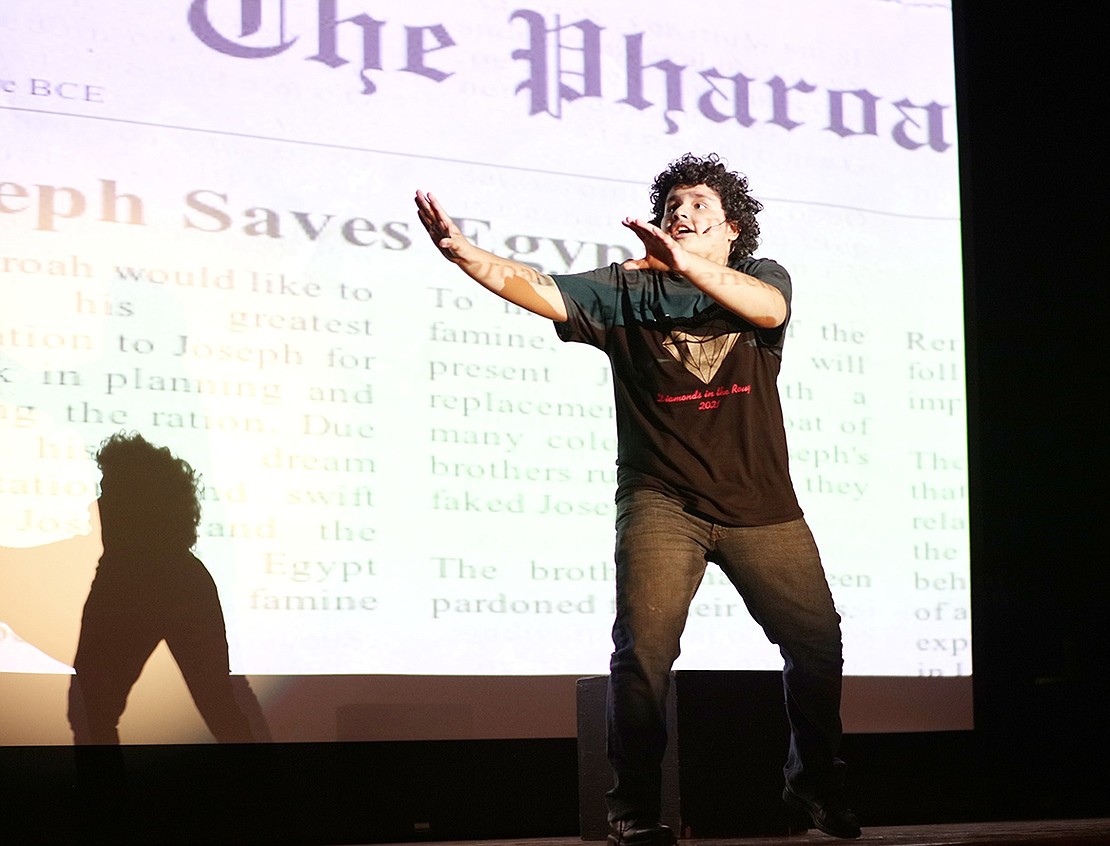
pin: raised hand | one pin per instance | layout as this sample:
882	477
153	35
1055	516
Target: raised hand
662	251
447	237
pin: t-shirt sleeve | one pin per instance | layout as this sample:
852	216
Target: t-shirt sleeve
591	300
769	271
775	275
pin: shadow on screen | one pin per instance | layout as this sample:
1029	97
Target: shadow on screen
148	588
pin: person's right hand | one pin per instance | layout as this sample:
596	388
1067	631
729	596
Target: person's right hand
447	237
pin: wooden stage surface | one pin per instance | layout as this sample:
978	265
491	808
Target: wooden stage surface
1090	832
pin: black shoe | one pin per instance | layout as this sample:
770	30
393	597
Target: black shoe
636	833
832	816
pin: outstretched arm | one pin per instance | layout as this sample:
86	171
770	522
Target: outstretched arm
754	300
518	283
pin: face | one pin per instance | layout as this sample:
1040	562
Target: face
693	216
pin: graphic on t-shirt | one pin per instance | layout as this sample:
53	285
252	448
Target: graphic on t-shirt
702	353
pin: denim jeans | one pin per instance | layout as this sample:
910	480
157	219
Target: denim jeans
661	555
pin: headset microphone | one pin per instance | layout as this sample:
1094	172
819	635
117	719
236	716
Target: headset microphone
713	226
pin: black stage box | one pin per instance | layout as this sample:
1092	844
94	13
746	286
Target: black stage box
722	772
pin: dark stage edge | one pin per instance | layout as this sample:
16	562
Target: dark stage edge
1029	833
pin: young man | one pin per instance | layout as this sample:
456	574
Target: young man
694	334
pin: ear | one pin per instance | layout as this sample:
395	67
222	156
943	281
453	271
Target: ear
733	229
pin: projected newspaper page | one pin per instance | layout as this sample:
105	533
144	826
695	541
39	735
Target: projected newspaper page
207	236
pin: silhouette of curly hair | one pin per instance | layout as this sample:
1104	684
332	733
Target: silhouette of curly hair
156	494
739	206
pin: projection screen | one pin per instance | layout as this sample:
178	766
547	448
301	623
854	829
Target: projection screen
207	236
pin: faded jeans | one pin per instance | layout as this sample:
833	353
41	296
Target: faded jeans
661	555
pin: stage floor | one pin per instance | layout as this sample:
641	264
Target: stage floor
1093	832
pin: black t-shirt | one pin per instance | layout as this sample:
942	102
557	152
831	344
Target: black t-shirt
698	413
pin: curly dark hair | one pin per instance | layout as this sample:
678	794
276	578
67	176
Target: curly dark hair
154	495
739	206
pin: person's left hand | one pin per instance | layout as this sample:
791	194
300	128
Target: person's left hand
645	263
663	251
